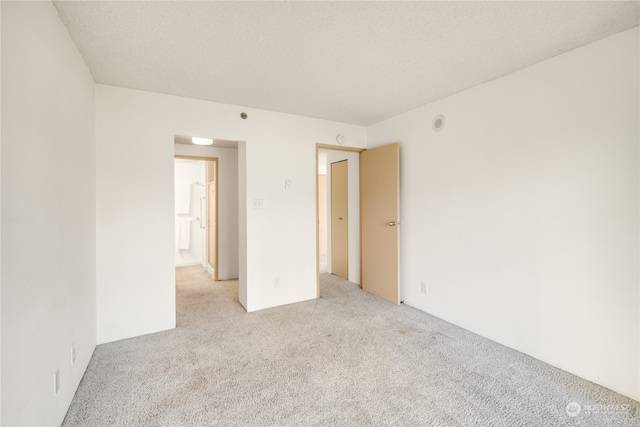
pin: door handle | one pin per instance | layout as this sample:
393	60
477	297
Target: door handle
392	223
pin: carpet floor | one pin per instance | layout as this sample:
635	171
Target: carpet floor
347	358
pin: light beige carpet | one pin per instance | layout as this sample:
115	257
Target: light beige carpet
347	358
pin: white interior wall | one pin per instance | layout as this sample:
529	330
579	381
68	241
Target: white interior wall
48	215
322	218
0	223
353	176
242	223
228	249
190	187
522	214
322	162
136	296
322	205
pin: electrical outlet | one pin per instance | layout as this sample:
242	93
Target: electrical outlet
276	282
424	288
56	382
257	204
73	353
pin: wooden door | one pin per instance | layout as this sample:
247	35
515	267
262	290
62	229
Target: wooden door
340	219
380	215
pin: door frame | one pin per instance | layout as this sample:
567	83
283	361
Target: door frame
332	148
215	175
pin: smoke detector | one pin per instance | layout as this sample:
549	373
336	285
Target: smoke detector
438	123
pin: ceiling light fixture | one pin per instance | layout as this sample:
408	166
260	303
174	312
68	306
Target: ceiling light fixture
202	141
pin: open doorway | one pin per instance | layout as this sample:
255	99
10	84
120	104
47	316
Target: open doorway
213	206
338	212
374	237
380	221
196	201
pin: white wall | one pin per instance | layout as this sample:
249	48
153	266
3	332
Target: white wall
48	215
353	177
136	296
227	204
242	223
0	225
523	213
190	191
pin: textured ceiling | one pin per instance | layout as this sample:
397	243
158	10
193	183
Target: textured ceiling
353	62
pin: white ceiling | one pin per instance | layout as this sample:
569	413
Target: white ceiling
353	62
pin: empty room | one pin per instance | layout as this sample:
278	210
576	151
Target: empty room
312	213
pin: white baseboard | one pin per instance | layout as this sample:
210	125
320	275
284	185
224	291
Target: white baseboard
187	264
